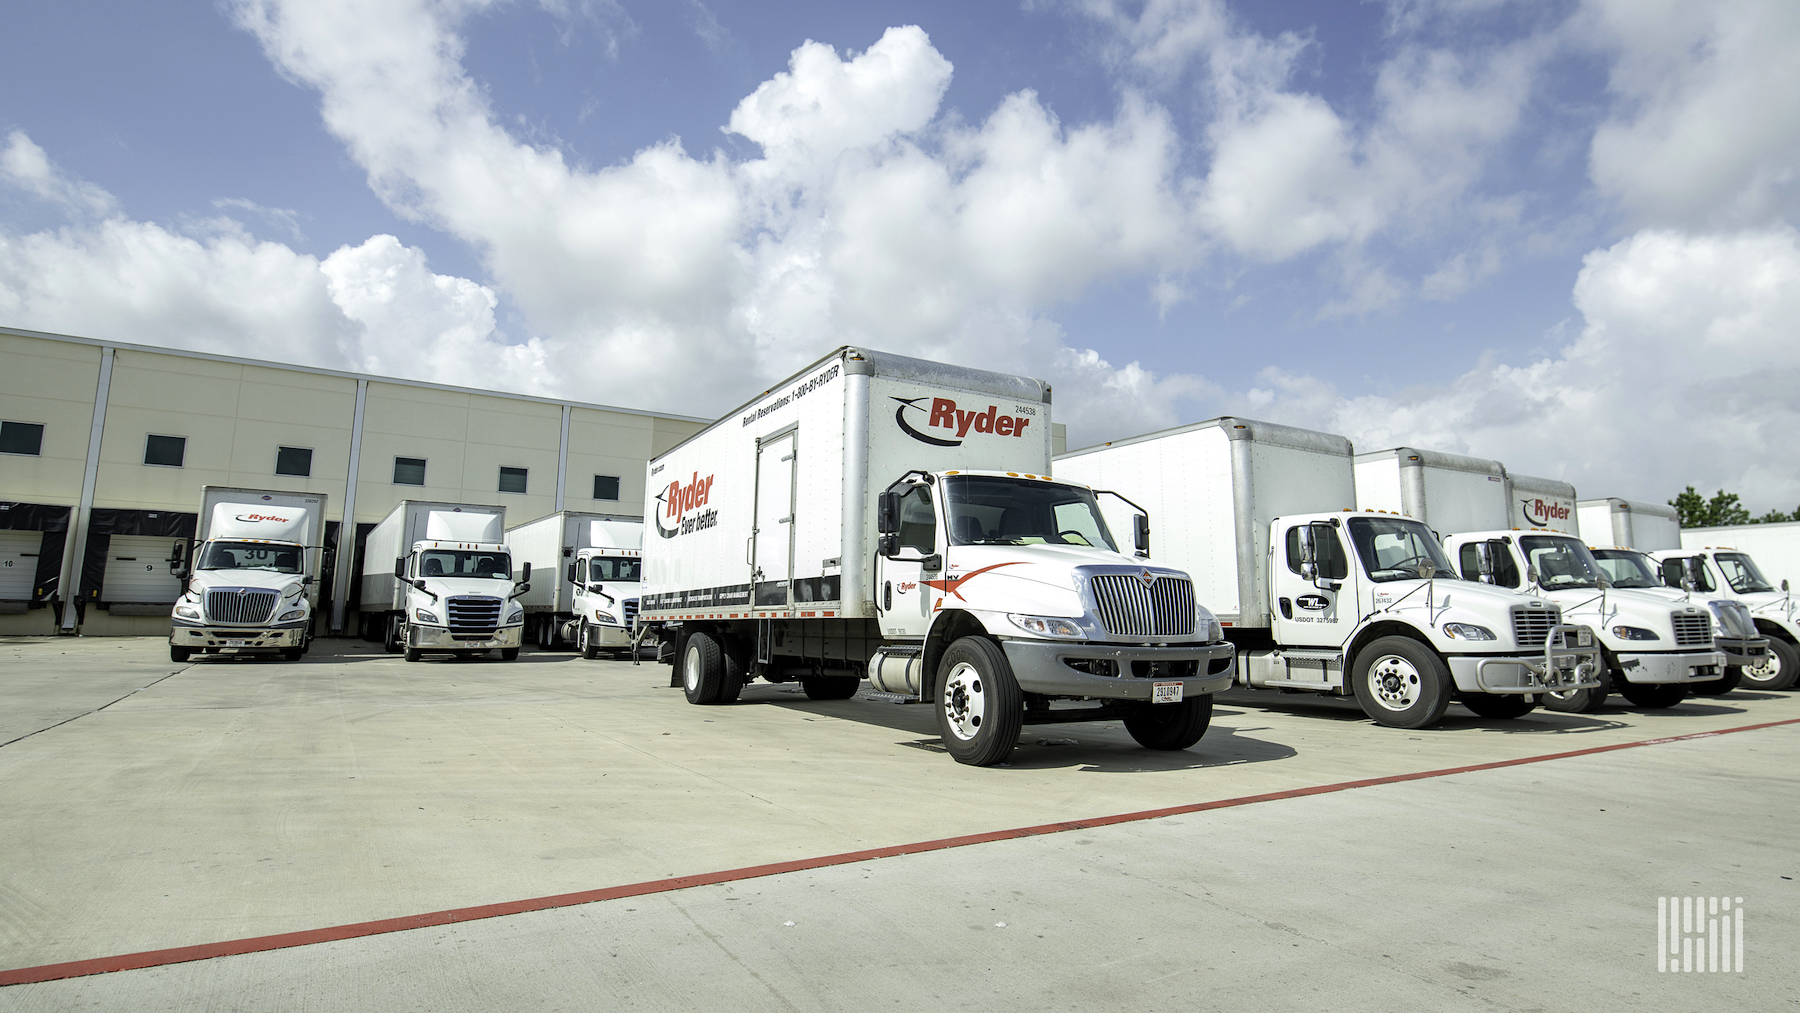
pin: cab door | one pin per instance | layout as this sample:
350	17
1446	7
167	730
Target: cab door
903	591
1317	610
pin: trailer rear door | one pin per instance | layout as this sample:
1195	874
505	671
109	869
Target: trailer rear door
772	540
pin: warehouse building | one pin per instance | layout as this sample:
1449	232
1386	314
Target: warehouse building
105	447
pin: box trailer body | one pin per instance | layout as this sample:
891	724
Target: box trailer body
1628	524
438	577
1449	492
251	577
1729	571
588	569
1323	597
1546	503
886	515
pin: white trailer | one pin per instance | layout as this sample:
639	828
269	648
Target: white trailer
438	577
1728	571
885	515
1541	503
251	578
1628	524
1322	597
1449	492
589	569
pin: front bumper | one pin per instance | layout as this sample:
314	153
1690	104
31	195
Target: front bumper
1746	652
437	638
1074	668
1560	669
1682	666
238	638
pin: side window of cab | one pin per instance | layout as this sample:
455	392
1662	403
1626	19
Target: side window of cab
1327	549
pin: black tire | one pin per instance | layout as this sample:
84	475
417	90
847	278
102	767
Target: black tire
391	640
1776	673
179	653
734	679
979	706
412	654
1499	705
1721	686
1401	683
1581	701
1170	725
509	654
702	669
550	638
585	643
292	653
1655	695
830	687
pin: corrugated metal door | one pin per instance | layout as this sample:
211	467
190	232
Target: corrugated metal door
18	563
137	570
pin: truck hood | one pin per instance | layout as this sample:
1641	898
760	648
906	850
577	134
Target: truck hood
1767	603
1036	579
203	580
445	587
1469	600
1629	606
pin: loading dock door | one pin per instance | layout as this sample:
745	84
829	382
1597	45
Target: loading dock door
18	563
137	571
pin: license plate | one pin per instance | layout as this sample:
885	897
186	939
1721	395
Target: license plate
237	643
1585	638
1165	692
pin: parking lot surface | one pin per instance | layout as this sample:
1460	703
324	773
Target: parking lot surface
152	805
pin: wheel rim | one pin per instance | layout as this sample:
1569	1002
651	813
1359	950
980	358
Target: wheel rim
965	701
1395	682
690	675
1767	671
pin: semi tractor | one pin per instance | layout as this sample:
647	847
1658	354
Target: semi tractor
438	577
882	516
1322	597
1731	573
589	567
1628	524
251	577
1734	630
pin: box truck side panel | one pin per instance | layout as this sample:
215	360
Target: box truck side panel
1542	503
1774	547
1600	523
1378	483
1655	526
1458	501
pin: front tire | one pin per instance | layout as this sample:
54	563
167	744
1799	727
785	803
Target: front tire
1654	695
292	653
509	654
1170	725
589	649
391	642
979	706
830	687
1581	701
1499	705
702	669
179	654
1401	683
1778	669
414	654
1721	686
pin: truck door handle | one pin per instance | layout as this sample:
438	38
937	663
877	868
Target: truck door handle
887	596
1287	609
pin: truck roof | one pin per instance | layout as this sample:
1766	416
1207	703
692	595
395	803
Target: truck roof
1273	433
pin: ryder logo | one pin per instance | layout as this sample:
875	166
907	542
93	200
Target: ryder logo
678	500
262	517
945	415
1540	513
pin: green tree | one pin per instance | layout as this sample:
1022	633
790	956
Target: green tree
1776	517
1695	511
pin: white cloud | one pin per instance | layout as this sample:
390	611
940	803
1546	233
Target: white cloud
25	165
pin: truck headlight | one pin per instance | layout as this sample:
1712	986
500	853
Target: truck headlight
1634	633
187	612
423	616
1207	626
291	615
1467	631
1049	626
516	616
605	617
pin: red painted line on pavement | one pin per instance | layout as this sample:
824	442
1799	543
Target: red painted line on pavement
258	944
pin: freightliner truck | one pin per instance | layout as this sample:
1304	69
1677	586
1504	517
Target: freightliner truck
885	516
1734	630
1731	573
1321	597
589	568
437	577
251	580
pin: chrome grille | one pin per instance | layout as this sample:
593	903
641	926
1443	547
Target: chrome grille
1734	617
1129	608
470	613
239	605
1531	627
1692	630
630	611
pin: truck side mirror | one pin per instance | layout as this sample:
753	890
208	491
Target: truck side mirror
1690	573
178	559
1427	570
525	574
570	571
1602	583
887	514
1784	585
1141	533
1531	574
306	581
400	567
1484	561
888	545
1309	564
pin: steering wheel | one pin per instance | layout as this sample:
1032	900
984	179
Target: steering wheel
1064	535
1401	565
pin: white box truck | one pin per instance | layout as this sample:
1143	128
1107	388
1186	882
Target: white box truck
1729	572
251	577
1542	503
1449	492
589	568
438	577
1628	524
1322	597
882	515
1734	629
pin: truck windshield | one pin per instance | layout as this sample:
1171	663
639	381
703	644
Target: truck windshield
1626	569
988	510
250	556
465	563
1561	562
1393	548
604	568
1742	573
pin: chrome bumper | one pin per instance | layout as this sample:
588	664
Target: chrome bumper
1682	666
1558	670
437	638
227	638
1747	652
1044	666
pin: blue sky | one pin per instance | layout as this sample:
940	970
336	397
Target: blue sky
1538	231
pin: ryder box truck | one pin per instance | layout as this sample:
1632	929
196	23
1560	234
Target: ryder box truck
588	570
438	577
251	581
882	515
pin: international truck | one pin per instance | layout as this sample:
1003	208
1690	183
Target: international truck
251	576
1734	630
589	569
1322	597
1628	524
882	516
438	577
1729	572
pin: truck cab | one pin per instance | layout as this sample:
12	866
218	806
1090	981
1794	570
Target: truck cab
1367	603
243	596
1653	649
459	597
605	582
1729	573
1734	630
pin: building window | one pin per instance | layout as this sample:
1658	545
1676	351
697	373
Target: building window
409	471
21	438
512	479
165	451
295	461
606	487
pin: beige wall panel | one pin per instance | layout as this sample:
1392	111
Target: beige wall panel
416	411
256	443
669	432
35	623
630	472
52	384
173	383
443	462
49	369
